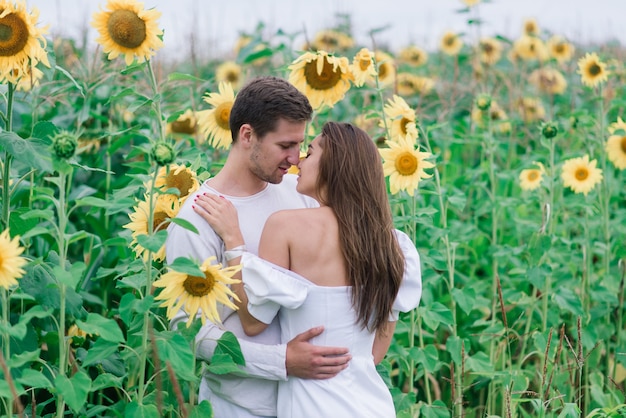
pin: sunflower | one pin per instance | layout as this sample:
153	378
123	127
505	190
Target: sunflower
401	119
531	28
580	174
560	49
22	44
409	84
530	178
413	56
229	72
177	177
197	293
244	41
592	71
616	150
332	40
11	262
470	3
163	209
24	79
186	124
324	79
548	80
532	109
214	123
363	68
489	50
451	43
294	168
127	29
404	165
498	117
617	126
386	68
530	48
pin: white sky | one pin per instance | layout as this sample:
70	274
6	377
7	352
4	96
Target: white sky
215	25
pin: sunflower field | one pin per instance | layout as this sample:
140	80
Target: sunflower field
506	165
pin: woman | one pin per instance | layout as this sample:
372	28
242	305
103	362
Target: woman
339	265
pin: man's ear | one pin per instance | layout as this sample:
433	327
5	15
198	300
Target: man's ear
245	134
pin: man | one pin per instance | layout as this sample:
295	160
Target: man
267	121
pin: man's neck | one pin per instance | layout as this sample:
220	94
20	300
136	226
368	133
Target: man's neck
236	180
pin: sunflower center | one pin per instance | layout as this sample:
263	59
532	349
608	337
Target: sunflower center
623	144
126	28
533	175
159	221
232	77
222	115
403	125
581	174
186	126
13	35
183	181
560	48
364	64
382	71
406	163
594	69
450	40
199	286
487	48
326	79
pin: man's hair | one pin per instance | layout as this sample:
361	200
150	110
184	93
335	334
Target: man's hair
351	182
264	101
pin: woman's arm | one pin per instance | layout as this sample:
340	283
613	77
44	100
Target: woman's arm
383	341
221	214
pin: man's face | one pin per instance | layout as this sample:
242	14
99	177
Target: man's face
274	154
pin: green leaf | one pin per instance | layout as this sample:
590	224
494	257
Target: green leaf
465	298
428	357
134	410
32	152
479	363
187	266
173	348
107	380
435	314
224	364
569	301
74	390
101	350
106	328
570	410
34	379
185	224
182	76
202	410
228	344
153	242
18	360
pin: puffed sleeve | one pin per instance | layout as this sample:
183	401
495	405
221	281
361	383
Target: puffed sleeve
269	287
411	287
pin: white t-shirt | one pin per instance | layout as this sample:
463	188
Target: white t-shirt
264	355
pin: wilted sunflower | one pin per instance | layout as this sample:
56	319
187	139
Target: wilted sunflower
324	79
22	44
198	294
531	27
363	68
451	43
386	68
177	177
229	72
127	29
616	150
404	165
332	40
592	71
163	208
489	51
413	56
530	48
11	262
532	109
530	178
498	117
400	119
214	123
580	174
186	124
409	84
560	49
24	80
548	80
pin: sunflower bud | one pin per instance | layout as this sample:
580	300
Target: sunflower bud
64	145
549	130
483	102
573	122
162	153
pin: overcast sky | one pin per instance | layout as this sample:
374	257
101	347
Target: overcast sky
215	24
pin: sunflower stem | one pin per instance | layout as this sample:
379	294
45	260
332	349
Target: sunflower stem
6	175
156	102
6	340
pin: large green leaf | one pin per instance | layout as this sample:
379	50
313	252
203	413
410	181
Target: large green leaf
74	389
106	328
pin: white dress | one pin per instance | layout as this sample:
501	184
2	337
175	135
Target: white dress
357	391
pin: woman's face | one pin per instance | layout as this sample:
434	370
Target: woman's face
309	170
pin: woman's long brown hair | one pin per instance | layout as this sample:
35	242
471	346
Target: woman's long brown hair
352	183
